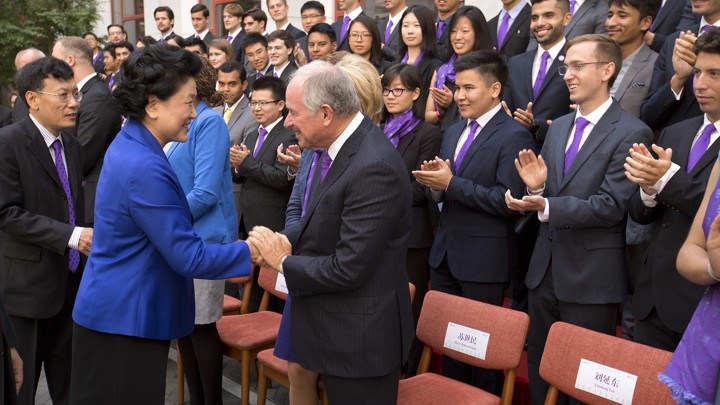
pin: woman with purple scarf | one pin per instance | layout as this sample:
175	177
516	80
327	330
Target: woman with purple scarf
692	373
416	141
468	32
418	45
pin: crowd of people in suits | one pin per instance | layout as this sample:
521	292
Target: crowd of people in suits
354	157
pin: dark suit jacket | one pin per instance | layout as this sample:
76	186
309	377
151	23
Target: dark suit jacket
251	78
287	72
208	38
347	273
304	46
98	121
442	42
420	144
264	186
635	84
660	109
237	46
518	35
553	99
588	19
99	65
20	110
343	44
475	221
34	228
392	44
659	284
667	22
297	33
584	241
5	116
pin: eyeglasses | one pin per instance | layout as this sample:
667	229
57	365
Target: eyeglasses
310	17
262	103
65	96
357	36
575	68
395	92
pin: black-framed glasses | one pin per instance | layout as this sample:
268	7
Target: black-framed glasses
355	36
263	103
395	92
575	68
65	96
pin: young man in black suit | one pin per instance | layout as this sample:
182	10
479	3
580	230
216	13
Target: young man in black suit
510	29
311	13
665	22
280	47
97	55
165	21
279	13
445	11
474	169
200	17
98	117
388	26
578	191
255	22
41	233
672	186
344	262
232	20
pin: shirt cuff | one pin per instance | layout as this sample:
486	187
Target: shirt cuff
544	216
649	199
290	174
281	263
75	238
677	95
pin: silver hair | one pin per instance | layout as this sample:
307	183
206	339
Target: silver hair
324	83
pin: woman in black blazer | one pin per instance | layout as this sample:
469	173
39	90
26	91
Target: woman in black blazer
416	141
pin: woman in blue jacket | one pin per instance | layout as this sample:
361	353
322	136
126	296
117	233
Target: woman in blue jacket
137	290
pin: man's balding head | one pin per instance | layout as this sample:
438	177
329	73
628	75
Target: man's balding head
26	56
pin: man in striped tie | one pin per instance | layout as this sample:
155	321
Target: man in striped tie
41	218
579	192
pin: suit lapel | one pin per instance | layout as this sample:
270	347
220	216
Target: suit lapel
39	149
640	61
89	84
578	15
238	112
708	158
452	141
600	132
269	137
485	133
72	162
527	85
684	148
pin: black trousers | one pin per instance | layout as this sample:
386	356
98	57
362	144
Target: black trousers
202	357
652	331
491	293
382	390
418	271
116	369
545	309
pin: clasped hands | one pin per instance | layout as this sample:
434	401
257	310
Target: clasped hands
268	248
533	172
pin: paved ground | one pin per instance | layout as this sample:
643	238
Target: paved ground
231	386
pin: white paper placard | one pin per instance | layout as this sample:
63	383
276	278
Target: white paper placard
280	284
466	340
607	382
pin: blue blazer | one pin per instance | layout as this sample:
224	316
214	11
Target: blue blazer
294	209
138	279
202	165
475	223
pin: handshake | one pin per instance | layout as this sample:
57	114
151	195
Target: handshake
268	248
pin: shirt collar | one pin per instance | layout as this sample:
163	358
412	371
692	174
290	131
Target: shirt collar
396	18
48	137
340	141
513	11
202	34
235	33
234	106
285	27
485	118
87	78
554	51
270	127
280	70
704	22
595	116
354	14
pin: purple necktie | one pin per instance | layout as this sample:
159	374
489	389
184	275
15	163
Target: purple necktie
261	138
706	28
97	56
275	74
463	150
112	80
440	26
700	147
197	36
572	151
60	167
344	29
388	31
572	6
230	37
308	184
258	75
542	71
502	31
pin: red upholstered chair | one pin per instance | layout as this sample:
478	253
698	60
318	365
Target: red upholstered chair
231	306
507	331
244	336
568	344
276	369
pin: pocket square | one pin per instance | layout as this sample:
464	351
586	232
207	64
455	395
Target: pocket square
637	84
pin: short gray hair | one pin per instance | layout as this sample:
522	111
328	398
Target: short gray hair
324	83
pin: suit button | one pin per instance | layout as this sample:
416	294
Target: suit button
665	224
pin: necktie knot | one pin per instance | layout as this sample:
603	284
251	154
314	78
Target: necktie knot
581	123
229	38
57	146
197	36
263	132
258	75
227	114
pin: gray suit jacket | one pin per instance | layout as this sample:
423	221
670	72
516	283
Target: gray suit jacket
588	19
347	272
636	82
241	125
584	240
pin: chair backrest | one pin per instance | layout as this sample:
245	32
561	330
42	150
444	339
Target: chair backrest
568	345
507	330
268	281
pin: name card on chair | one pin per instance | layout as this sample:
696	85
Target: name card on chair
466	340
607	382
280	284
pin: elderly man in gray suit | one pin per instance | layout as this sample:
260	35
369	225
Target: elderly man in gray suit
577	271
344	262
